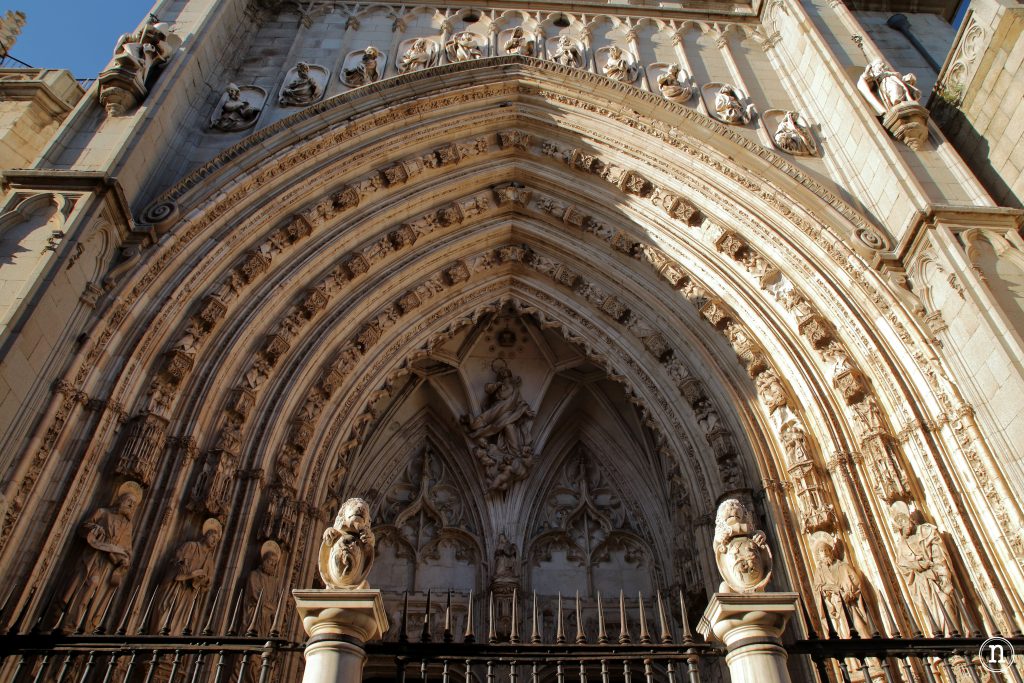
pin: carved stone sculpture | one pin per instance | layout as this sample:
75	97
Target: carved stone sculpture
188	575
102	565
506	560
138	57
922	560
519	43
568	52
741	550
421	54
301	88
894	97
238	112
728	106
839	585
674	84
363	67
463	46
263	586
348	548
501	436
793	136
619	66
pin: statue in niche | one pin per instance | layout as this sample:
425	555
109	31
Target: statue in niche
741	549
188	575
794	439
501	435
101	568
519	43
262	586
348	548
728	107
418	56
887	87
567	52
235	113
673	87
463	46
868	416
506	560
840	586
922	561
300	90
618	66
793	136
771	391
366	69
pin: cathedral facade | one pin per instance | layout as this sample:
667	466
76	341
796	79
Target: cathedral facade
544	283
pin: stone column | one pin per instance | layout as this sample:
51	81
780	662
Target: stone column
338	622
750	625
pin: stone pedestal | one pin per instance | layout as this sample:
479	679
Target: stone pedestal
338	623
750	625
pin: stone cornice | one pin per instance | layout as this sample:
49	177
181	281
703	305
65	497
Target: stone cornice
52	180
37	92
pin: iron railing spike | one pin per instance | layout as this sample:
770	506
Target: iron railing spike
666	633
207	627
492	637
933	627
581	636
850	626
147	614
403	632
534	630
514	632
165	628
234	613
602	632
891	626
830	628
645	635
100	629
685	618
122	626
560	629
19	621
187	630
425	635
3	607
812	634
624	638
468	636
274	624
447	636
250	630
953	630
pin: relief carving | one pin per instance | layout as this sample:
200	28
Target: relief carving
238	108
363	67
419	53
348	548
741	549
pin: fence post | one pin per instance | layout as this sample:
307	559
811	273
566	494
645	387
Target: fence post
750	625
338	623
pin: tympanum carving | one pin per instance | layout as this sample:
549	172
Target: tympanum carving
348	548
501	436
741	549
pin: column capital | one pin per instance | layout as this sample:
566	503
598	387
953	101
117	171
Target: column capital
354	614
750	625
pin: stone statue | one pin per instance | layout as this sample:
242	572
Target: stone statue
567	53
102	565
463	46
145	49
235	113
506	560
618	67
889	88
348	547
418	56
771	391
794	439
867	416
728	107
922	561
501	436
793	137
188	575
674	88
840	585
301	90
741	550
262	586
366	70
519	43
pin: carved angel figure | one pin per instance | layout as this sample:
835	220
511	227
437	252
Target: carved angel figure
463	46
366	70
728	107
235	113
567	53
672	88
741	550
793	137
618	66
418	56
348	548
519	43
302	89
887	87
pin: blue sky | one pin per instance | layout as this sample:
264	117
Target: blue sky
78	35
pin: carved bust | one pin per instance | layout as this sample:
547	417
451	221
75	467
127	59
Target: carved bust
348	547
741	550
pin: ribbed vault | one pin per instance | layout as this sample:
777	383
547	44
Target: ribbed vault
306	281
